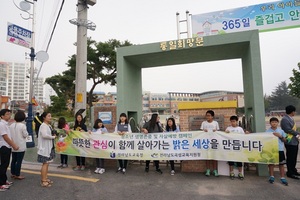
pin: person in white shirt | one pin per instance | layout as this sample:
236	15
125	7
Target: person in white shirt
45	147
6	143
19	134
234	128
100	129
210	126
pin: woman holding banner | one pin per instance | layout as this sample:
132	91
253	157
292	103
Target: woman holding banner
153	126
171	127
121	128
45	147
80	126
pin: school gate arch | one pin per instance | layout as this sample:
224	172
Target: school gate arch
244	45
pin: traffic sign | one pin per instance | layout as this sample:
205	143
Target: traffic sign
19	35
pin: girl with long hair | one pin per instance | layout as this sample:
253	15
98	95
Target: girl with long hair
153	126
122	128
45	147
80	126
62	124
100	129
171	127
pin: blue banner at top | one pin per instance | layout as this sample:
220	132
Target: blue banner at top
264	17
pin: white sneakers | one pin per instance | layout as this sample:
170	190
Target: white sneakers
99	171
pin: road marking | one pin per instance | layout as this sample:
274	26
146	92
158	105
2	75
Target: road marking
94	180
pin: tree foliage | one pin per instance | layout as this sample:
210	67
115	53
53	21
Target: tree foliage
281	97
101	68
294	86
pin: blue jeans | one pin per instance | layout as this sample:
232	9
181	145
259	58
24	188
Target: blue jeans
16	162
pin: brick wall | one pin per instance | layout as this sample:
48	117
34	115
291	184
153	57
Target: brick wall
199	165
113	110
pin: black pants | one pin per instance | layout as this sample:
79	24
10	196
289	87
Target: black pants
156	162
172	164
100	162
80	161
16	163
122	163
64	159
5	158
291	159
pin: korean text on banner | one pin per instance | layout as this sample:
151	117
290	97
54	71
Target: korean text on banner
194	145
264	17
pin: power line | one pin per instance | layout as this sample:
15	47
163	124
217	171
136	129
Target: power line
51	36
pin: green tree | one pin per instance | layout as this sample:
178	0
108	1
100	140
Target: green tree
294	86
101	68
280	97
58	104
267	103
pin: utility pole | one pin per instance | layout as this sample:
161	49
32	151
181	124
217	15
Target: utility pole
81	56
31	88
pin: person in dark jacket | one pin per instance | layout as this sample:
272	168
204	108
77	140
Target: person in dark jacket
80	126
288	125
153	126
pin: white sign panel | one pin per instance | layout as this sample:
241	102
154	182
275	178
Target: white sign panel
106	117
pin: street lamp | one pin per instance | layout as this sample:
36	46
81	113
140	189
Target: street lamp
41	56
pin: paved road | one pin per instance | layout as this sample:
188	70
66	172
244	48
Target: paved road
136	184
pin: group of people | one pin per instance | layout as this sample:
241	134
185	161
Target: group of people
287	135
13	144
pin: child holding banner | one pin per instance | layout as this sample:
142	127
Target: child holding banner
121	128
80	126
210	126
234	128
278	132
153	126
171	127
62	124
99	128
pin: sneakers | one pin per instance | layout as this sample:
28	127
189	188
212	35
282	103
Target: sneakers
101	171
64	165
8	183
215	172
97	171
147	169
3	188
271	179
82	168
241	177
207	172
284	182
231	176
159	171
60	166
172	172
119	169
123	170
77	168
